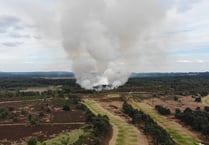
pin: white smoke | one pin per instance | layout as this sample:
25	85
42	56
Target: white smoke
105	39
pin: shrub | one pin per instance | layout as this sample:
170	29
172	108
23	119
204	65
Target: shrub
128	109
29	117
66	108
206	108
176	98
162	110
34	122
198	99
89	116
101	124
11	109
41	114
48	110
32	141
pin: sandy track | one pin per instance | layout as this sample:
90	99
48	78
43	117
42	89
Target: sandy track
180	134
123	133
28	124
21	101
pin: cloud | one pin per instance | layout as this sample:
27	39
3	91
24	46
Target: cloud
9	22
185	5
191	61
18	35
12	44
184	61
38	26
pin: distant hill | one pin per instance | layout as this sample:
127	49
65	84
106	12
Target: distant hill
71	74
36	74
143	75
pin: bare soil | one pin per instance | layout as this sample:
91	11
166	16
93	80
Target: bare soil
50	124
169	102
34	108
10	134
41	89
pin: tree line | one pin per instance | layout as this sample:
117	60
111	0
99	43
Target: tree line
150	127
197	119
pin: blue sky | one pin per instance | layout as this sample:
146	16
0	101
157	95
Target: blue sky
23	48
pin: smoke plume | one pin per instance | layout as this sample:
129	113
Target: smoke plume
108	39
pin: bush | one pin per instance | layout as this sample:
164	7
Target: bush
32	141
206	108
11	109
101	124
128	109
198	99
34	122
29	117
48	110
89	116
176	98
162	110
204	93
137	117
41	114
66	108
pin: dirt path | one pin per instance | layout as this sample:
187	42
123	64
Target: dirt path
123	133
180	134
32	100
27	124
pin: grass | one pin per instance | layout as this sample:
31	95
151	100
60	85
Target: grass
69	137
206	100
127	134
179	135
63	138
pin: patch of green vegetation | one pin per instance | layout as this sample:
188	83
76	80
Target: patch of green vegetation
173	128
206	100
68	138
61	102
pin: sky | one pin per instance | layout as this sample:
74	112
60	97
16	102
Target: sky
30	39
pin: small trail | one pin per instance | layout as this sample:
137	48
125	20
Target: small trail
180	134
123	133
21	101
57	124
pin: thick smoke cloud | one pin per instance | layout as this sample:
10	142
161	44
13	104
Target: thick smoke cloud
108	39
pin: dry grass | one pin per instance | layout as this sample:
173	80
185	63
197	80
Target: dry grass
180	134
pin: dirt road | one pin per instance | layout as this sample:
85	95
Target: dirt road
28	124
32	100
123	133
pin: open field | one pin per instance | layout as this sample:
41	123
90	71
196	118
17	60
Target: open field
123	133
11	134
182	103
48	113
181	135
69	138
43	100
41	89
